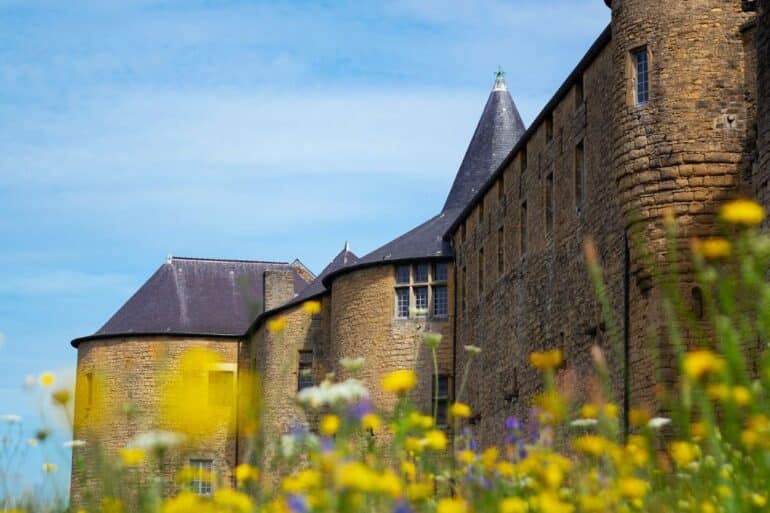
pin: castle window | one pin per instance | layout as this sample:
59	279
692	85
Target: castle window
500	251
640	60
579	92
402	275
549	127
305	370
201	482
441	399
421	301
440	301
549	204
580	177
440	271
697	302
221	388
481	271
421	273
402	302
523	229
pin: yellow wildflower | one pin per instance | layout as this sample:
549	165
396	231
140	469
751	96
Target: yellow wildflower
466	457
707	507
611	410
546	359
132	456
633	487
301	481
452	505
400	381
418	420
590	444
553	407
276	325
506	469
408	469
419	490
553	475
184	502
233	501
312	307
185	475
61	397
512	505
436	440
460	410
49	467
549	502
713	248
413	444
638	417
355	476
489	457
742	211
330	424
741	395
47	379
371	421
589	411
112	505
759	500
245	472
389	483
683	453
701	362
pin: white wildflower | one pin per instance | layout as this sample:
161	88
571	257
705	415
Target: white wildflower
472	349
658	422
70	444
353	364
328	393
583	422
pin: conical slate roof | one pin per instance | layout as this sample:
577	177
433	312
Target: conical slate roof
497	132
499	128
316	287
191	296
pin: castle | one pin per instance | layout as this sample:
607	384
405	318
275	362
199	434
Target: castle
666	111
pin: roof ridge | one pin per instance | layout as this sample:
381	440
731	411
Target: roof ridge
172	257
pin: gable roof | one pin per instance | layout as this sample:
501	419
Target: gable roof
195	296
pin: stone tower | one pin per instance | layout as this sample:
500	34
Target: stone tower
681	124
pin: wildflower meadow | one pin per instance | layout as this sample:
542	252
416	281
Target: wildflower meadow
709	453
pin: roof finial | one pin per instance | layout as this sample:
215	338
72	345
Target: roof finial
500	80
347	250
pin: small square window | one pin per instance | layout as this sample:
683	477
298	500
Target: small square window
421	273
421	301
440	271
440	301
402	274
201	482
402	302
441	398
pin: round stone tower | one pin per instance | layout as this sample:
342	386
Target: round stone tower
681	122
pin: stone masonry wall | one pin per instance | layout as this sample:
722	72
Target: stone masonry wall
684	151
762	169
363	324
541	297
127	377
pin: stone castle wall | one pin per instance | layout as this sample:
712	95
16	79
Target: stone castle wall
126	379
762	52
363	324
540	296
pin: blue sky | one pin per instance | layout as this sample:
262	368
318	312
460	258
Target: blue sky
136	129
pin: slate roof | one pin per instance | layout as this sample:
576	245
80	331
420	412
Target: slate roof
498	130
192	296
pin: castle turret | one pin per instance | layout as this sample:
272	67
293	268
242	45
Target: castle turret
681	121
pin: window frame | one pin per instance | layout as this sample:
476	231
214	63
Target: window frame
305	369
422	290
446	398
640	65
198	485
